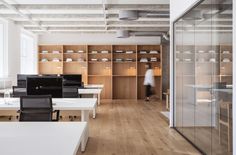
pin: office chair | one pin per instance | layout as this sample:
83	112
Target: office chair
37	108
18	91
70	92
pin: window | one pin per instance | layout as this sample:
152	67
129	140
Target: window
3	53
27	54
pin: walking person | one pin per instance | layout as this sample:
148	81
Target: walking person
149	82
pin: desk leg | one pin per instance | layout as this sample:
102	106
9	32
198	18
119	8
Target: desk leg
95	109
85	118
167	102
99	97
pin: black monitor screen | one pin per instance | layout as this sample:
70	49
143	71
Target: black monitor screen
44	86
72	80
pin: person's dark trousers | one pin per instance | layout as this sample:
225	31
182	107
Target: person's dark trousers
148	90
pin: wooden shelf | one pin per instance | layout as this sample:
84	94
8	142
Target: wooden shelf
124	61
124	75
49	62
99	53
99	75
99	62
75	62
144	75
73	53
50	53
149	62
123	53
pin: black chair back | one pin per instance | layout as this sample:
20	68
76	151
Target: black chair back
70	92
36	108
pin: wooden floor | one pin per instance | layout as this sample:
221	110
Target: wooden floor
124	127
134	128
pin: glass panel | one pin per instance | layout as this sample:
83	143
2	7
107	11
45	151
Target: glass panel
179	76
206	59
203	76
1	50
222	88
188	69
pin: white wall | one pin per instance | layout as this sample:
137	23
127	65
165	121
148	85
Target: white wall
177	8
13	50
93	38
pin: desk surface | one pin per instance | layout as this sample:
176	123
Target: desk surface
90	91
90	86
58	104
41	138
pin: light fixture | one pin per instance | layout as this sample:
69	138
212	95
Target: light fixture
127	34
135	14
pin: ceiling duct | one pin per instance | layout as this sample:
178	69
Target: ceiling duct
135	14
128	15
127	34
196	15
122	33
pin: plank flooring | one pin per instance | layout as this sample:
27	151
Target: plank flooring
125	127
130	127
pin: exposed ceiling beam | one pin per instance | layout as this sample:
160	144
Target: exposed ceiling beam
160	7
98	23
9	6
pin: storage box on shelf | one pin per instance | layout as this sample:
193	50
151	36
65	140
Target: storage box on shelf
50	59
149	54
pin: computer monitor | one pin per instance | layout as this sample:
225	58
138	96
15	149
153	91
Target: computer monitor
72	80
21	80
45	85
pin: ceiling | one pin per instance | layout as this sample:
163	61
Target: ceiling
90	16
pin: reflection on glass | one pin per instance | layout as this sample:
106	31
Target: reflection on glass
203	76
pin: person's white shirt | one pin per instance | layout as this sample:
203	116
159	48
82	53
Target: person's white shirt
149	78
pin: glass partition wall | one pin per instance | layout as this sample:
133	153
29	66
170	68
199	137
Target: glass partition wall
203	76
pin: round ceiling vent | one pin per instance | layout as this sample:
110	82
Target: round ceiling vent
128	15
122	34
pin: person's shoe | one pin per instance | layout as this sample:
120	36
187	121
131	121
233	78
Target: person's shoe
147	100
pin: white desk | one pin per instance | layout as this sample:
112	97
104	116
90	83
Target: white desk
96	94
94	86
41	138
83	104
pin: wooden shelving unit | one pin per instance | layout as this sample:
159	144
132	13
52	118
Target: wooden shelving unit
124	71
78	65
49	66
100	72
115	66
156	65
